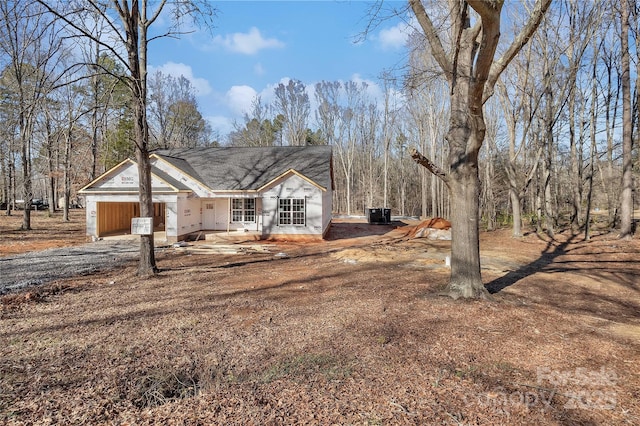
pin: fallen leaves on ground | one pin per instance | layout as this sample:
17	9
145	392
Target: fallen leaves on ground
312	339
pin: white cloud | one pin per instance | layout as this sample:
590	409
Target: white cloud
239	99
394	37
220	123
376	92
247	43
200	85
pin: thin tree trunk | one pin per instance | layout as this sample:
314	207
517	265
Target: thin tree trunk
135	25
593	120
548	163
51	180
27	192
626	198
67	167
573	163
609	126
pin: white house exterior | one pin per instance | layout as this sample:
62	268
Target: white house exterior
272	192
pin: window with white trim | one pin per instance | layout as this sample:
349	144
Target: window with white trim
292	211
243	210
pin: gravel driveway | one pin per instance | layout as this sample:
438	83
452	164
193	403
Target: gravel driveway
41	267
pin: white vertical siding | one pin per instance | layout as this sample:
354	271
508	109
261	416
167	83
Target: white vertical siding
297	188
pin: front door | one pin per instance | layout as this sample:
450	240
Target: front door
209	215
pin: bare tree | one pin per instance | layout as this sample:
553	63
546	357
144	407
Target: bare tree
73	109
32	43
329	120
258	128
611	100
593	118
488	199
292	101
132	37
174	117
389	128
427	106
471	71
93	54
7	151
519	108
368	123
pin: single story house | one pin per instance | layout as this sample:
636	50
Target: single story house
273	192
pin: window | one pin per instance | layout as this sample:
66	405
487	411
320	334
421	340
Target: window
243	210
291	211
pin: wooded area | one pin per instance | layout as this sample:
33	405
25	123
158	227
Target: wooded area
560	145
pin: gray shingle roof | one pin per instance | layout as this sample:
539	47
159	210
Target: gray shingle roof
250	168
168	179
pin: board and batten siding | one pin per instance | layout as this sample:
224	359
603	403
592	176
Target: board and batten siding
293	187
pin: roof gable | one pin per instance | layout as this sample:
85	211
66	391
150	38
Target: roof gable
286	175
124	178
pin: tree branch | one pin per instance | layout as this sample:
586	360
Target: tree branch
429	165
490	19
83	31
531	174
156	14
432	37
518	43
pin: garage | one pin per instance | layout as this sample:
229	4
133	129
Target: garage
115	217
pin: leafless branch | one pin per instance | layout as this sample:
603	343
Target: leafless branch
518	43
432	36
429	165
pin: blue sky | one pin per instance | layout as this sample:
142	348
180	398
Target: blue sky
257	44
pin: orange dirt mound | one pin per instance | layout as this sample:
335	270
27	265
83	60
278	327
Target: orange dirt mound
434	223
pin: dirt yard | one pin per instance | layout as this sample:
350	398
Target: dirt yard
347	331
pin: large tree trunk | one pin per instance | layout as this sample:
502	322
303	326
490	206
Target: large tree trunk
465	136
510	169
466	280
574	177
516	211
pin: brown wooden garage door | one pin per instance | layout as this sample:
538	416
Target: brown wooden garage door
115	218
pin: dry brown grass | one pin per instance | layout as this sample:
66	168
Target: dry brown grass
47	231
327	336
